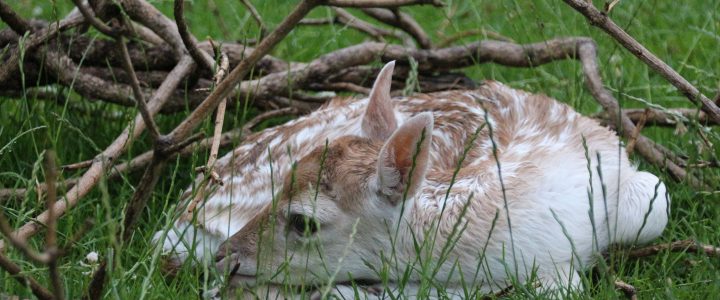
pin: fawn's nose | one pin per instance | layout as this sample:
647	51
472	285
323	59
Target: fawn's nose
227	262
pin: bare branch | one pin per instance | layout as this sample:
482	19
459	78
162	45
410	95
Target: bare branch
677	246
104	160
627	289
139	98
402	21
51	237
258	19
17	23
146	14
639	125
669	117
10	66
382	3
460	35
201	58
602	21
25	280
90	18
225	87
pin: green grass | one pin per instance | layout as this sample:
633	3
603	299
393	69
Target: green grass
685	35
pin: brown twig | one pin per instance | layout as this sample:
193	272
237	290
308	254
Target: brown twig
246	129
627	289
669	117
146	14
51	237
14	21
344	86
137	93
36	39
677	246
382	3
14	270
98	24
602	21
639	125
226	86
201	58
402	21
258	19
77	165
472	32
103	161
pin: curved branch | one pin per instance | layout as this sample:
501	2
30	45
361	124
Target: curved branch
201	58
603	22
403	21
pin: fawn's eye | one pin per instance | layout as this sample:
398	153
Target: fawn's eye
302	224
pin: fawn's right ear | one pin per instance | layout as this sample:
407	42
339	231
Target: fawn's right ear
404	159
379	120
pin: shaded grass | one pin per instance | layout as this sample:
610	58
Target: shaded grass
685	35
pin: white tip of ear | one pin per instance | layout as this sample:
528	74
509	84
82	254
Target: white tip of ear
424	119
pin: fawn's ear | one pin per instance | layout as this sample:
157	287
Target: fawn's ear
379	120
404	158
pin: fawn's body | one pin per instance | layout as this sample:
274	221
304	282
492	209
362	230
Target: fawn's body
525	198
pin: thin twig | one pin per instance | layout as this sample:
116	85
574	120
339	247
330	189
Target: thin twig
14	21
677	246
472	32
14	270
51	236
627	289
402	21
246	129
258	19
603	22
77	165
639	125
201	58
227	85
382	3
137	93
103	161
90	18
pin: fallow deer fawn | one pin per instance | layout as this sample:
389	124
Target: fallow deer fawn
486	186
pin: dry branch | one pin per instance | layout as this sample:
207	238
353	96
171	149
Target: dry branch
677	246
627	289
602	21
14	270
225	87
104	160
258	19
382	3
201	58
669	117
139	98
402	21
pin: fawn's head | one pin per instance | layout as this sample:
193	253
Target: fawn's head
339	205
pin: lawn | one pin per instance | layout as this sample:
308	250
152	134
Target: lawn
685	35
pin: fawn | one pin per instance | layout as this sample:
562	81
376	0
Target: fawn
488	186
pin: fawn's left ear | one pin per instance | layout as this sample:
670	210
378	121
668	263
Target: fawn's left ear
404	158
379	120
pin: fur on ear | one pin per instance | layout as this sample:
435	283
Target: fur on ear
405	157
379	121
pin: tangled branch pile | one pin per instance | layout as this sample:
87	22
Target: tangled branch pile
148	61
